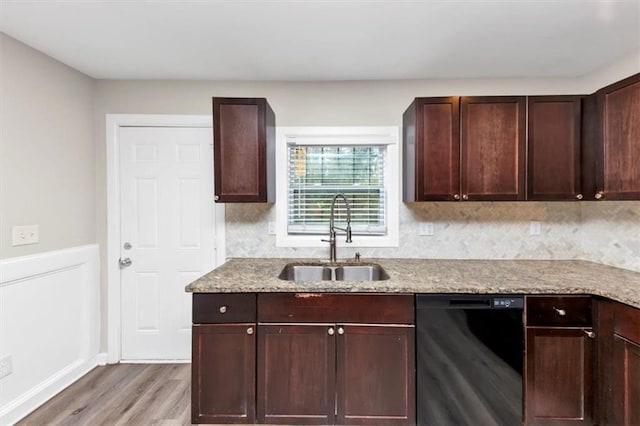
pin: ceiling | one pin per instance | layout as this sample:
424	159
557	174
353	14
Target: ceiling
327	40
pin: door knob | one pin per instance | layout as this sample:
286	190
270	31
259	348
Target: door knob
125	262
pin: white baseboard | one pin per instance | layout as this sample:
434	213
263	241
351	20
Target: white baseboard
38	395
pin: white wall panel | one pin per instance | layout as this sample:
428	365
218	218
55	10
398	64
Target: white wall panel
49	325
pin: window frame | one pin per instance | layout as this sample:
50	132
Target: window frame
348	135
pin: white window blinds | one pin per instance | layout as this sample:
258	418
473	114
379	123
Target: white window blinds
316	173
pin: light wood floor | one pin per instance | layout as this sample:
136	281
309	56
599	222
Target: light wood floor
122	394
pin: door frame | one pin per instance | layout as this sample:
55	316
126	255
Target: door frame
113	124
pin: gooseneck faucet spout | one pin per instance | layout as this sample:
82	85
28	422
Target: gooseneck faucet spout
333	228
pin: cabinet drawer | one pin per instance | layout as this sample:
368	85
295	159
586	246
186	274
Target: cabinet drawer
327	307
626	322
224	308
558	311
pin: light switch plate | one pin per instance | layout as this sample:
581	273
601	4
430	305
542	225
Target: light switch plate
272	228
27	234
426	228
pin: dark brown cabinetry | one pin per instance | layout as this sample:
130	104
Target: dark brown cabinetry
317	365
431	128
493	137
618	153
559	345
223	358
296	383
244	150
469	148
554	155
619	363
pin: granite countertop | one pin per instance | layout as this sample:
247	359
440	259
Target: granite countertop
245	275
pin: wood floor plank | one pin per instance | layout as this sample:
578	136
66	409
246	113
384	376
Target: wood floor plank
122	394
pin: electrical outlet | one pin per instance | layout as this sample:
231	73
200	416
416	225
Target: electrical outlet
22	235
272	228
426	228
5	366
534	227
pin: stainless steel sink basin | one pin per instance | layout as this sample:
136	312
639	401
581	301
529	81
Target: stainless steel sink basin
332	272
296	272
371	272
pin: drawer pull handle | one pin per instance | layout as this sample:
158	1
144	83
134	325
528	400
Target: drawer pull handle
223	309
250	330
340	330
331	331
590	334
560	312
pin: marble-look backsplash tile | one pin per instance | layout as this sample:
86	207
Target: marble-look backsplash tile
611	233
606	232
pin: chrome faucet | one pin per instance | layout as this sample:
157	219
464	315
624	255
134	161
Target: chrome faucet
332	227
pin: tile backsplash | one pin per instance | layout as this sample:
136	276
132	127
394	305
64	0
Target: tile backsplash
606	232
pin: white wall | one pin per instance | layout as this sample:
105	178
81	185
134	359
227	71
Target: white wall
49	325
47	154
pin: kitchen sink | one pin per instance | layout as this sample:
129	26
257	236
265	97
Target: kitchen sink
297	272
370	272
332	272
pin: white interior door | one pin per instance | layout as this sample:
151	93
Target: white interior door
168	233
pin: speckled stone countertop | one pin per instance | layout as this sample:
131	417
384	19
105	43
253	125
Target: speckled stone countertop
245	275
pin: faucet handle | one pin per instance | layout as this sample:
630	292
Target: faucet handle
357	256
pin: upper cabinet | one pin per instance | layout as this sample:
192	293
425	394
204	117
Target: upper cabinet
432	149
554	160
470	148
493	138
243	150
618	147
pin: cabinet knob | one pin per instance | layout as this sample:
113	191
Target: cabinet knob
456	196
599	195
340	331
250	330
331	331
465	197
223	309
560	312
216	198
578	196
590	334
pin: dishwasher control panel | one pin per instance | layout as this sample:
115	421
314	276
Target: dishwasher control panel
507	303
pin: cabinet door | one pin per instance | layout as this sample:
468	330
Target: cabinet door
554	148
223	373
626	382
296	374
375	375
558	376
437	149
619	156
243	129
493	148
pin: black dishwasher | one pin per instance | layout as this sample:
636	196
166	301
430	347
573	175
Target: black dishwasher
469	353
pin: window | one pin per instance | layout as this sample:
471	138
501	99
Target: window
314	164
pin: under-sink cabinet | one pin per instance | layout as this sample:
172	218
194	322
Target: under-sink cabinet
310	358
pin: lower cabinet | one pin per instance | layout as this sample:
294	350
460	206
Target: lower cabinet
619	363
335	374
558	360
306	359
223	373
296	380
